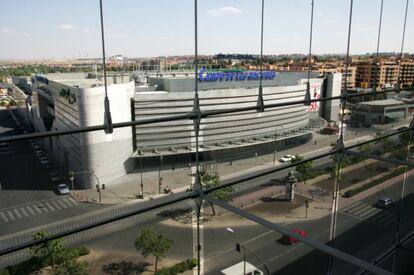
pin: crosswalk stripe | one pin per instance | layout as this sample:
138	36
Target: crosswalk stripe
23	210
19	216
360	210
57	206
11	215
383	218
43	207
50	206
28	207
4	217
68	202
370	213
349	207
73	201
390	221
62	204
37	208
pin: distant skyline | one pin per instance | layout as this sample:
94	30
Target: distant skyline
67	29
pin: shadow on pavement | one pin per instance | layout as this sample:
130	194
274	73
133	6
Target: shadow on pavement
366	240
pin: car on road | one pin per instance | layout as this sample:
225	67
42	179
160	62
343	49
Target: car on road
383	203
292	240
54	177
287	158
62	189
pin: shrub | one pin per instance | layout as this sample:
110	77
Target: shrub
181	267
79	251
27	267
364	187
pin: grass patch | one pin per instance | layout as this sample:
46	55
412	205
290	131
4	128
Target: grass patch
364	187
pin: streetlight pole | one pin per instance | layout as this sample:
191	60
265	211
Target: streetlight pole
72	178
140	168
91	173
159	175
274	150
242	245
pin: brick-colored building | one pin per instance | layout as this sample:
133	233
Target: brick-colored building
381	73
333	68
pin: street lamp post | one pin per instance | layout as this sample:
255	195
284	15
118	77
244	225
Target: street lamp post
242	245
72	178
274	150
140	168
98	186
159	175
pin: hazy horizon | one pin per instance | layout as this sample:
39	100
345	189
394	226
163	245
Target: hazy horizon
70	29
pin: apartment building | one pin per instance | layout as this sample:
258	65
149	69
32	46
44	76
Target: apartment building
380	74
407	74
349	75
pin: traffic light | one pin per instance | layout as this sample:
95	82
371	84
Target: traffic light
238	247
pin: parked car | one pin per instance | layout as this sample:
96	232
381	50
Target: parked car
54	177
292	240
62	189
287	158
383	203
402	128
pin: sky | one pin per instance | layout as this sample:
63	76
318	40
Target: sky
36	29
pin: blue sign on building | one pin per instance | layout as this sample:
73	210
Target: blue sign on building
205	75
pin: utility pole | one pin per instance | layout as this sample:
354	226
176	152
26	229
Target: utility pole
159	175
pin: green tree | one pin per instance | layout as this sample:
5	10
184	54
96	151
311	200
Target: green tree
53	251
303	168
149	243
405	138
210	180
365	149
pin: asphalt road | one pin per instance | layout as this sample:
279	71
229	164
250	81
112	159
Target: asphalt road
27	196
363	231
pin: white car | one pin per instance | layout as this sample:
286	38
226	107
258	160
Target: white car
62	189
287	158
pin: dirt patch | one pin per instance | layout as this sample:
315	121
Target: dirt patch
276	206
103	262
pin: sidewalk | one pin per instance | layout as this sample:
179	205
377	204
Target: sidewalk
179	180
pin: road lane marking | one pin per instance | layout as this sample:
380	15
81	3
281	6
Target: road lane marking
24	212
370	213
49	206
352	207
58	207
36	207
10	215
383	218
4	217
359	212
62	204
73	201
42	207
19	216
68	202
